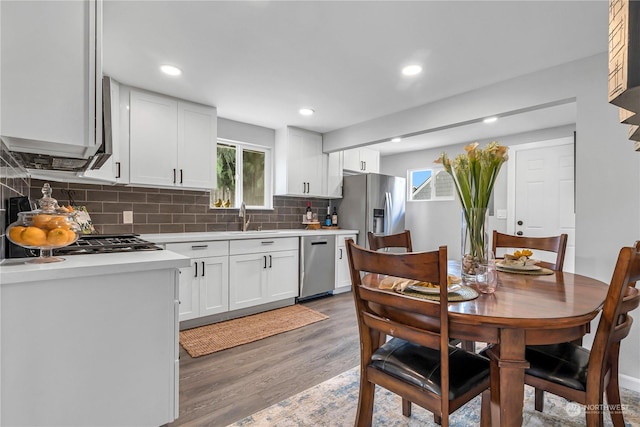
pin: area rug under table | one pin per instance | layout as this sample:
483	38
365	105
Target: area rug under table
333	403
220	336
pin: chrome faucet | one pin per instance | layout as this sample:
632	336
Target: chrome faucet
246	219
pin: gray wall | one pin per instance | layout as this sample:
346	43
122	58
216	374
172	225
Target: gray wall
607	168
245	132
435	223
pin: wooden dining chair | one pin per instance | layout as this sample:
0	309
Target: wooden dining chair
556	244
399	240
580	375
418	363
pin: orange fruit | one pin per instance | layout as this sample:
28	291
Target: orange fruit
15	234
59	222
57	237
41	220
71	236
33	236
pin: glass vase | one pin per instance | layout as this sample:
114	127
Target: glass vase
474	242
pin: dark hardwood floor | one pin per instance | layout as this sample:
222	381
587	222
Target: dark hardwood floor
224	387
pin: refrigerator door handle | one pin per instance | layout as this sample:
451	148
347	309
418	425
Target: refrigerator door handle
388	208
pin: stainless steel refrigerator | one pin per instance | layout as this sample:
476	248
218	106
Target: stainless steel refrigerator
372	202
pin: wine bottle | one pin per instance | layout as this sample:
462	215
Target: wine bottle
327	220
309	212
334	217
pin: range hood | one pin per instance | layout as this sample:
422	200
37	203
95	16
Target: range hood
54	156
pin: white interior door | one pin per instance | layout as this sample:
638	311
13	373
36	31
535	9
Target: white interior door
544	194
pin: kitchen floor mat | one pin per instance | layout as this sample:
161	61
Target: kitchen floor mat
231	333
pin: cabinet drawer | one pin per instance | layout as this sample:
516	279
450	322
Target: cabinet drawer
200	249
249	246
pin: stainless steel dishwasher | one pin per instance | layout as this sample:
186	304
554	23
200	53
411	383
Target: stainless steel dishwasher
317	266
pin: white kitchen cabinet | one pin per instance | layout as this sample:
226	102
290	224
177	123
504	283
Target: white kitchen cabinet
363	160
172	142
51	75
334	174
343	275
301	166
204	285
262	271
111	343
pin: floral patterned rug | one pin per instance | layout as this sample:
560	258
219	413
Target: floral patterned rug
333	404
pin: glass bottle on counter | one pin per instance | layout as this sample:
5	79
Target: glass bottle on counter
327	220
309	212
334	217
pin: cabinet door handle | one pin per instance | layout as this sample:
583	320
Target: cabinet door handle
174	176
264	257
340	253
365	165
180	176
202	268
196	265
117	169
270	261
199	246
267	242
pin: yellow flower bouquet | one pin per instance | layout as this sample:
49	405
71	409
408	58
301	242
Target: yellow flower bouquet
474	175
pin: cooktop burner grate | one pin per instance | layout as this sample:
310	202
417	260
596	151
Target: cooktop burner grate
96	244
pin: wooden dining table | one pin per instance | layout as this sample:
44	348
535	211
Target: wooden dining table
524	310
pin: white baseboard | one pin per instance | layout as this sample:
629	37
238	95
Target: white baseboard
630	383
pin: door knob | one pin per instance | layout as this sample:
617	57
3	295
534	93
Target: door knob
519	233
520	222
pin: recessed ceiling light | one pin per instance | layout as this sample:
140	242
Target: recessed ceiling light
411	70
306	111
171	70
396	139
490	120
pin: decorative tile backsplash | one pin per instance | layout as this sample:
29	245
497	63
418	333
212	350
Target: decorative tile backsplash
171	211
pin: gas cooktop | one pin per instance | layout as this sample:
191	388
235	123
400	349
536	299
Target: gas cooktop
99	244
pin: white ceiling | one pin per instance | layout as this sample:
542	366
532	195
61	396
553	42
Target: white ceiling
259	62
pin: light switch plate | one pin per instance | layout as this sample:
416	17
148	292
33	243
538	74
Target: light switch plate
127	217
501	213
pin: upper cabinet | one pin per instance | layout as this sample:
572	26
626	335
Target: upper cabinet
363	160
301	166
172	142
51	75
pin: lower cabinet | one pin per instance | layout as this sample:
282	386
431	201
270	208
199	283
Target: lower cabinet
204	287
231	275
262	271
343	275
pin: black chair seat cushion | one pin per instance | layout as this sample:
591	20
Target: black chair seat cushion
565	364
420	366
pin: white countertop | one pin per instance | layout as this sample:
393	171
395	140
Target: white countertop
18	271
163	238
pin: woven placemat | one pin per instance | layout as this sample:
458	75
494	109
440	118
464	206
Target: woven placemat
465	293
231	333
542	272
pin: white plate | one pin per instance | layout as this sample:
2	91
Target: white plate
519	267
425	290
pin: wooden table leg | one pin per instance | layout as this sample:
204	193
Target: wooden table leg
507	378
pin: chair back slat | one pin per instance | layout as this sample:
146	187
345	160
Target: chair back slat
399	240
399	330
555	244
